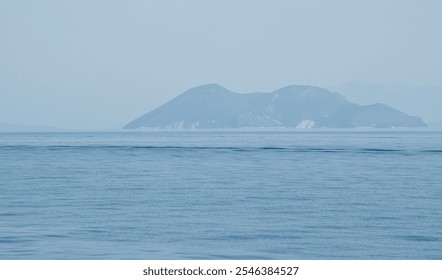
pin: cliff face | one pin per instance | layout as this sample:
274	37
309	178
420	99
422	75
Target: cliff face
212	106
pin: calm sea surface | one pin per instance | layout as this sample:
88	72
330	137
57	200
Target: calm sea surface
221	195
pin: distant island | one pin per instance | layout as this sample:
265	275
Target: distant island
213	106
8	127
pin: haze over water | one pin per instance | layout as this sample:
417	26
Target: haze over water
100	64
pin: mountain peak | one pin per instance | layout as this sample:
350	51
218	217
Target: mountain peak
306	91
298	88
209	88
205	91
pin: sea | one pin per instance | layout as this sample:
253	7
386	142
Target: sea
221	194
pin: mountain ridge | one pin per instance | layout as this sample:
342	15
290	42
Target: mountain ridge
423	101
299	106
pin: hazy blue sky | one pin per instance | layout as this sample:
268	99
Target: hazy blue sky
99	64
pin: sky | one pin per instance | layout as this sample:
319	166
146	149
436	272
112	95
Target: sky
90	64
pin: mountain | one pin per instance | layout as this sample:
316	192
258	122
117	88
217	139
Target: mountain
213	106
7	127
423	101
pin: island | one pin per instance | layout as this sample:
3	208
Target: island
297	106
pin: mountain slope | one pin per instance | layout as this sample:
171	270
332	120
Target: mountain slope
423	101
212	106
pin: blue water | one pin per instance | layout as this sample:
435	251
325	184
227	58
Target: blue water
221	195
